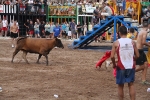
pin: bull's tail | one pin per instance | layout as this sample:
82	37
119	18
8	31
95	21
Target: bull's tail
21	38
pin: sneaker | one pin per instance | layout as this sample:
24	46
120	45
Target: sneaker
145	83
12	46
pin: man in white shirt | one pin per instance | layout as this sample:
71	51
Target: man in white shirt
4	26
107	11
130	12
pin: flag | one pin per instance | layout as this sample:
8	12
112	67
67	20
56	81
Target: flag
148	57
105	57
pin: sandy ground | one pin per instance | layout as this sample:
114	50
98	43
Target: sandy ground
71	75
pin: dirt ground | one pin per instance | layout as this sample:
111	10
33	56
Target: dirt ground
71	75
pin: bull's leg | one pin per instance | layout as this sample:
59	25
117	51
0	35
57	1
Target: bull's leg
39	58
24	56
15	52
46	60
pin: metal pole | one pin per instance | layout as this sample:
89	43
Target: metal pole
115	32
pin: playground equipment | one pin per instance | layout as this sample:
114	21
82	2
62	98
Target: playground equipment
102	27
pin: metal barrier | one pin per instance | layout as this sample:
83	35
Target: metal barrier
8	9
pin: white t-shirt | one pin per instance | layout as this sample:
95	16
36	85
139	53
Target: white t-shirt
4	23
108	10
130	10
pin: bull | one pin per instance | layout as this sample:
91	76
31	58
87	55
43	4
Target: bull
41	46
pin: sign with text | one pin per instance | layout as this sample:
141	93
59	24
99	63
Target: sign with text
1	9
90	9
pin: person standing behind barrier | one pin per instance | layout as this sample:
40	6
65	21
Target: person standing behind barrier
57	31
119	4
14	33
96	15
27	27
47	30
41	28
73	31
126	52
63	26
36	30
31	29
79	29
5	26
51	29
142	60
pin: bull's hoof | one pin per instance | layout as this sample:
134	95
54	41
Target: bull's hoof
38	62
27	62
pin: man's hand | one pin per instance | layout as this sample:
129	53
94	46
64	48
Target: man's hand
114	66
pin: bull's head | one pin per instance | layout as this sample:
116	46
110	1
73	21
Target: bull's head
59	43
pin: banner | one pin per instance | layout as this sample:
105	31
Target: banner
1	9
90	9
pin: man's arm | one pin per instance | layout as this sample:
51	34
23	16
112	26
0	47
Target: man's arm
136	52
113	54
144	40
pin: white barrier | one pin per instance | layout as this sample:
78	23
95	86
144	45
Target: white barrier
8	9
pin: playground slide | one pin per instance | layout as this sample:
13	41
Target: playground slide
97	31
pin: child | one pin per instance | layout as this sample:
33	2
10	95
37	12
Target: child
127	52
132	34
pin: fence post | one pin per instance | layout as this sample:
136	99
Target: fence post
47	13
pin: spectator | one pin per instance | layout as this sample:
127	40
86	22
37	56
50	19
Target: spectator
31	29
96	15
42	7
52	26
5	26
146	16
27	27
107	11
72	27
119	4
47	30
79	29
130	12
41	29
57	31
36	30
63	30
